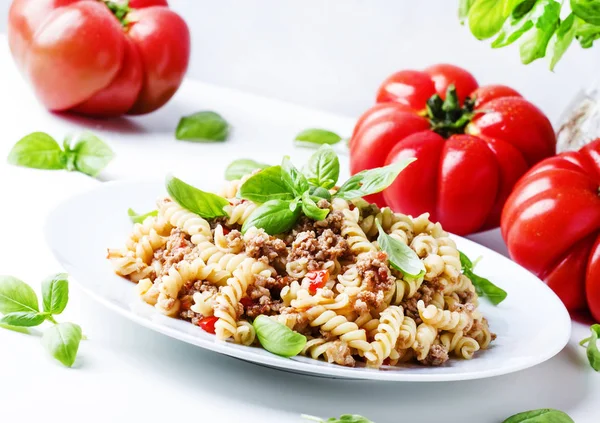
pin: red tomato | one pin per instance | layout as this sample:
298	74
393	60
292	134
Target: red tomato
469	155
318	279
78	55
551	225
208	324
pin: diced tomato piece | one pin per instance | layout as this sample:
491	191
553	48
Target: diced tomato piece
208	324
317	279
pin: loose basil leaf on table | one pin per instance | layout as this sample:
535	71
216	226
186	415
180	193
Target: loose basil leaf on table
483	286
593	352
203	126
323	168
400	255
317	136
62	342
204	204
139	218
55	293
293	178
274	216
371	181
345	418
38	150
23	319
87	153
311	209
266	185
278	338
19	329
544	415
242	167
17	296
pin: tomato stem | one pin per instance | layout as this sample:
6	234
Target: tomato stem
120	9
448	117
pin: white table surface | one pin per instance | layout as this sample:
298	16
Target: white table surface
127	373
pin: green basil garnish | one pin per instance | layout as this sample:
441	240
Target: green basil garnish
87	153
274	216
320	192
242	167
139	218
400	255
55	293
293	178
277	338
371	181
323	168
266	185
483	286
16	296
62	342
587	10
562	39
593	353
317	136
310	208
486	17
204	204
544	415
202	127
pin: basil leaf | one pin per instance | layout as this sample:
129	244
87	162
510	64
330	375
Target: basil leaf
320	192
517	24
486	17
277	338
266	185
483	286
204	204
593	353
400	255
346	418
202	126
561	40
587	10
55	293
318	136
19	329
310	208
23	319
16	296
536	41
463	10
37	150
544	415
323	168
139	218
293	178
371	181
242	167
88	153
586	33
62	342
274	216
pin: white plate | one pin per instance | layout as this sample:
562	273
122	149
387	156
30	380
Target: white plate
532	324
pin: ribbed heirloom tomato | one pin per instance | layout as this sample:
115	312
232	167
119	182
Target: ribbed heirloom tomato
100	58
551	224
471	143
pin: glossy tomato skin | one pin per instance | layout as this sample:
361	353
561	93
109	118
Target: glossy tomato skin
488	93
551	223
408	87
443	75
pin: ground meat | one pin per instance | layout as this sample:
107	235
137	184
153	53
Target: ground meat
186	298
235	240
318	250
339	352
375	273
260	296
436	357
266	247
333	222
177	247
466	296
366	299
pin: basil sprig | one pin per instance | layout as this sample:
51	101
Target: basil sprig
268	184
591	344
274	216
203	126
293	178
204	204
20	308
323	168
139	218
242	167
544	415
346	418
315	136
483	286
85	153
400	255
278	338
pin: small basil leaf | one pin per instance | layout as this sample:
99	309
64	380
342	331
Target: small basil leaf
545	24
323	168
202	126
483	286
16	295
89	154
587	10
318	136
277	338
593	353
293	178
37	150
400	255
486	17
55	293
371	181
266	185
139	218
517	24
545	415
320	192
204	204
242	167
23	319
274	216
62	342
463	10
310	208
586	33
561	40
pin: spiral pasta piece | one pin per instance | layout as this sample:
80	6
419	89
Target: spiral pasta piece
408	333
204	303
387	335
239	212
402	228
424	339
405	288
452	321
223	244
245	333
357	240
385	217
330	321
125	263
192	224
462	346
